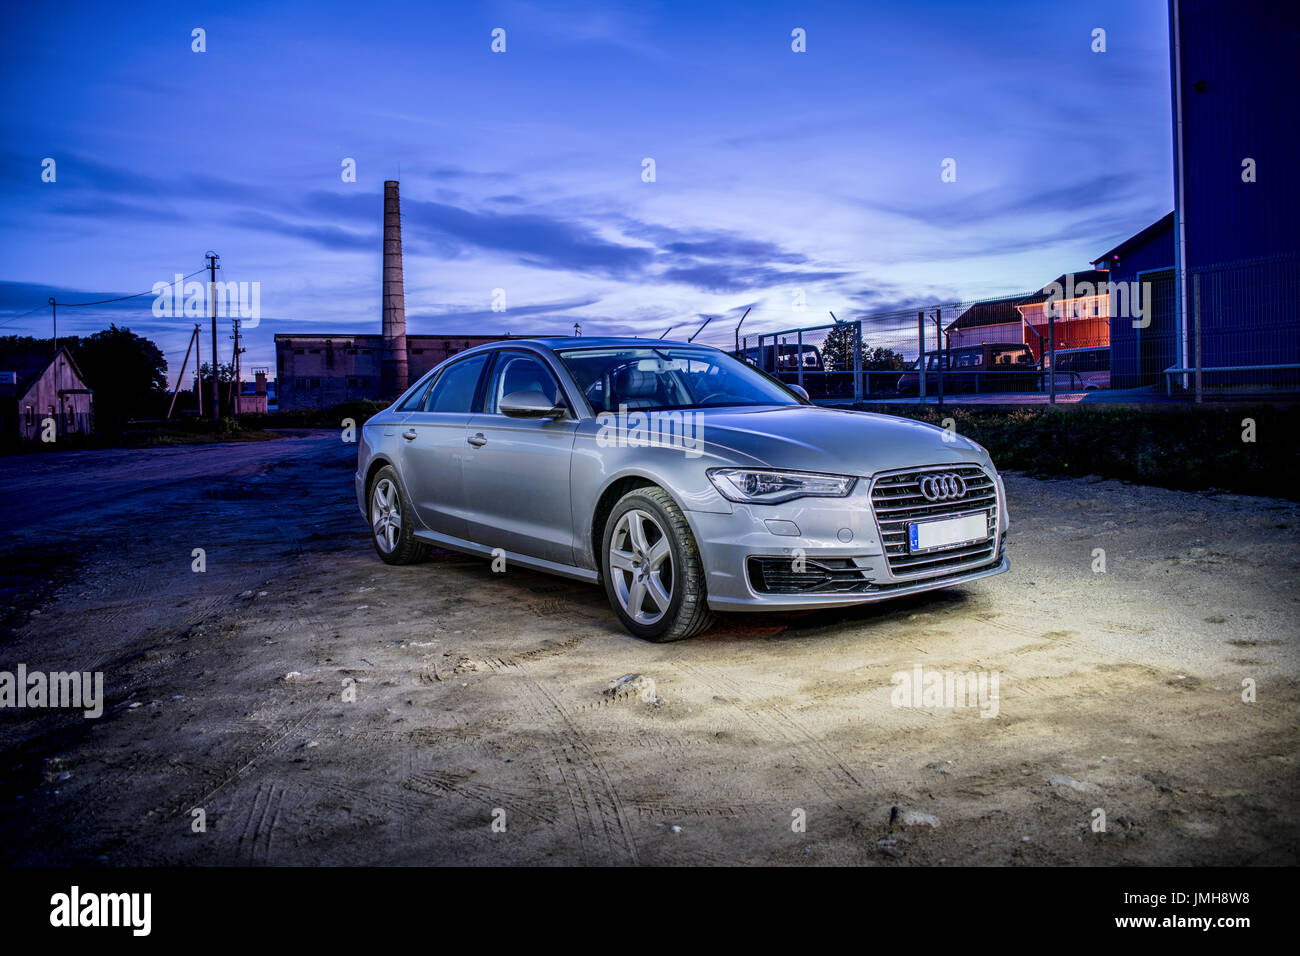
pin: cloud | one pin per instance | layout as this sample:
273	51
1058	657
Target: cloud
735	277
1014	200
334	238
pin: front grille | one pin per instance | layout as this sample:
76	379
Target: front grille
896	499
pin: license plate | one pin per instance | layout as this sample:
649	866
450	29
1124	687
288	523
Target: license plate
947	532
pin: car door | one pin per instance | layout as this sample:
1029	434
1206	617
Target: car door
517	472
434	448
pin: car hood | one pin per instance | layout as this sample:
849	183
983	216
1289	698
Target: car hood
831	440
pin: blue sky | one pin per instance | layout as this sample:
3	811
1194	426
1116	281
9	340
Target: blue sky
522	170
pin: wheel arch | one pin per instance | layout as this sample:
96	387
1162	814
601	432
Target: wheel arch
377	463
605	502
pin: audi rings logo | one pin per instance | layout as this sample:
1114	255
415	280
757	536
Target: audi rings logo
943	487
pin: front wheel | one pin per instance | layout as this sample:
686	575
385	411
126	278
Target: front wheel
653	574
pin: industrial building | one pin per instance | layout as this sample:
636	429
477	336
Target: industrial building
319	370
1236	249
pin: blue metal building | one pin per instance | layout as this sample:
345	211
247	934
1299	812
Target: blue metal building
1144	326
1236	96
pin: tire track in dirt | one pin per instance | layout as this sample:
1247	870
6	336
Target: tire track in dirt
438	783
831	774
236	768
254	840
600	820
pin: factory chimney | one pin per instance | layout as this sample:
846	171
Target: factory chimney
394	370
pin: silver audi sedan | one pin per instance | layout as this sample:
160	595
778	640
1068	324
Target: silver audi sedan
682	479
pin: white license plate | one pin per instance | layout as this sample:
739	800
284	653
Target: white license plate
947	532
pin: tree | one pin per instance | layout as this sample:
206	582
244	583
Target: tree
882	359
837	349
127	373
225	374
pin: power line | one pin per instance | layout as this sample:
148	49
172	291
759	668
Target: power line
15	318
78	305
123	298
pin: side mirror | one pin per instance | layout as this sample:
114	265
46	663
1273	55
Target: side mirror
800	391
530	404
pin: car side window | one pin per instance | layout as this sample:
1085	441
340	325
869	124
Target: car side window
519	372
456	386
415	400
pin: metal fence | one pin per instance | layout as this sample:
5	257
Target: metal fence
1235	332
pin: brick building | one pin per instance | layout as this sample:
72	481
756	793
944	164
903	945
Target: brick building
320	370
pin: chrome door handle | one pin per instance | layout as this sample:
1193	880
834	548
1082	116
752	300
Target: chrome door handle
410	434
477	440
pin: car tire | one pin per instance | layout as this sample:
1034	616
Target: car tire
667	601
386	502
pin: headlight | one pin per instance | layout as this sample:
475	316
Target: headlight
762	486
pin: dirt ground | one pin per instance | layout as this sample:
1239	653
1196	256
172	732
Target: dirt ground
482	697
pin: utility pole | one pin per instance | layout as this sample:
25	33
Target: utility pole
198	366
236	387
58	367
212	258
181	376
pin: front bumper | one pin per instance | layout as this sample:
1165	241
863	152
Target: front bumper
841	532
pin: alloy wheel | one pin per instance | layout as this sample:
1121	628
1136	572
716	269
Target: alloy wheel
386	514
641	566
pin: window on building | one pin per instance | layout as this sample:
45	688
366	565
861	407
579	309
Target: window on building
315	351
417	351
31	416
315	383
279	362
299	351
352	383
68	416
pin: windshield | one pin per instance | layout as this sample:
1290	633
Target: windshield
656	378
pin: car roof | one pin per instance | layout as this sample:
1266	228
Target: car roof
559	342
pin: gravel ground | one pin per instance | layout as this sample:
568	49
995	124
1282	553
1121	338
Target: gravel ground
320	707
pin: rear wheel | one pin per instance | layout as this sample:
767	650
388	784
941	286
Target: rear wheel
654	577
392	528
